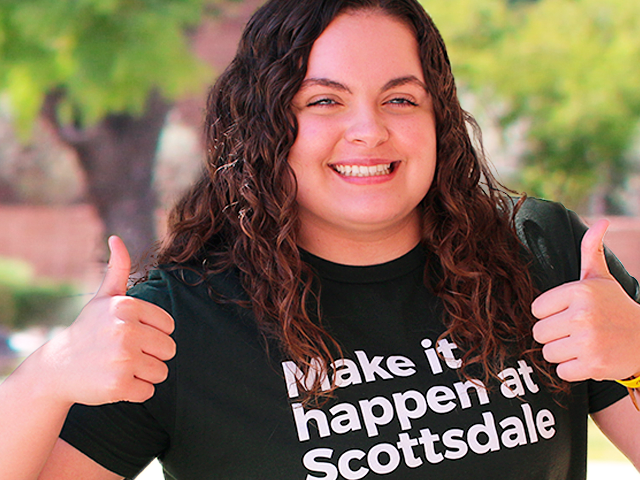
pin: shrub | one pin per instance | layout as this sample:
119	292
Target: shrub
26	301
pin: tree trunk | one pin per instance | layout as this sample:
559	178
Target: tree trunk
118	158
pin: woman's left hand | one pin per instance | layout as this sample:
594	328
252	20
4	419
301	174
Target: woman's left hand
591	327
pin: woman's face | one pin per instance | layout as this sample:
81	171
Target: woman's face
365	153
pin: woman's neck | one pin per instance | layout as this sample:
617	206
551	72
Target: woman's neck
361	247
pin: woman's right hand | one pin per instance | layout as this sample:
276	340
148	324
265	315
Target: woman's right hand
116	348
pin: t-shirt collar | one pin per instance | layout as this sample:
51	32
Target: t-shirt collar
382	272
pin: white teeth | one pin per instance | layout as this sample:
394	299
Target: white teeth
363	170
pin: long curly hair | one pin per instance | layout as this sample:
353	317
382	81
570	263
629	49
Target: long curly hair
242	213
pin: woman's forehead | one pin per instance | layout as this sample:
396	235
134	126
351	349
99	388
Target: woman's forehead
365	41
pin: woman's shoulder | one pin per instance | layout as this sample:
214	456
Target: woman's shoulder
173	286
551	234
548	215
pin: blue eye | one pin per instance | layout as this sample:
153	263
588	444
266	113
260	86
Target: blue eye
402	101
322	101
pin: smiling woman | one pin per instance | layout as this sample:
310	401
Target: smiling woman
346	292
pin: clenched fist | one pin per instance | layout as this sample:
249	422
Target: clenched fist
116	348
591	327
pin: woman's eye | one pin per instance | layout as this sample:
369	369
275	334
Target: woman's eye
402	101
321	102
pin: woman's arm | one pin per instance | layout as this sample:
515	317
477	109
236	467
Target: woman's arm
30	423
66	462
115	350
620	422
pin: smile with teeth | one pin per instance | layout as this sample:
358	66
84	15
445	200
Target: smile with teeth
364	170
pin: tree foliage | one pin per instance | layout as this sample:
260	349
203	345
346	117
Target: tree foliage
106	55
103	74
569	69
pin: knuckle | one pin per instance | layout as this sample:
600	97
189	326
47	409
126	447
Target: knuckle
119	368
123	306
115	385
583	314
585	291
595	363
594	372
119	333
598	367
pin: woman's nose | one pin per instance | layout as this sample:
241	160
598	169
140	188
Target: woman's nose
367	128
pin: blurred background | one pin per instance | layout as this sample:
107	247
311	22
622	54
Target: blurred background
101	105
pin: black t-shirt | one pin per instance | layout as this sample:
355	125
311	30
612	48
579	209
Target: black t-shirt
231	409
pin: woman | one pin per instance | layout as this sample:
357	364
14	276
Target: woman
352	292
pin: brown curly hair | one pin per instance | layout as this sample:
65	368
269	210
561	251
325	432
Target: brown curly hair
242	213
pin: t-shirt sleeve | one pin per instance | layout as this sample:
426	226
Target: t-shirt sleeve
124	437
604	394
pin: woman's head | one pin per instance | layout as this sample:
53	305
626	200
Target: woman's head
251	126
365	151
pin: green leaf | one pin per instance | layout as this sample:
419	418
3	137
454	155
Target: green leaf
106	55
567	68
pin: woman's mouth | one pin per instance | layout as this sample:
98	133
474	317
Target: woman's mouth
364	170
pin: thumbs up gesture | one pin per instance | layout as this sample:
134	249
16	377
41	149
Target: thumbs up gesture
116	348
591	327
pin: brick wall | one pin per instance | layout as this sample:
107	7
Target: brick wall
59	242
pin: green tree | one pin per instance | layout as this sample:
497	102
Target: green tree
104	74
570	69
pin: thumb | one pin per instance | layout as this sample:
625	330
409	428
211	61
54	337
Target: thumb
118	270
593	263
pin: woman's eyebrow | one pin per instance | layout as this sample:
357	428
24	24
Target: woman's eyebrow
398	82
324	82
395	82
